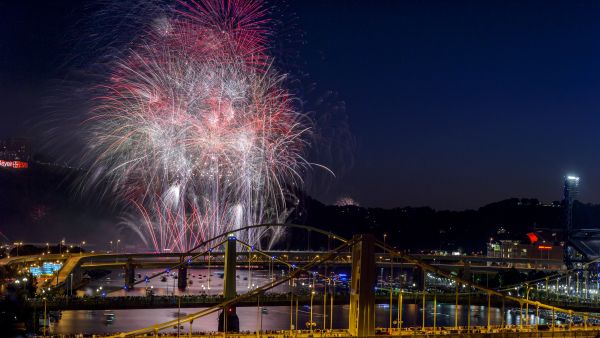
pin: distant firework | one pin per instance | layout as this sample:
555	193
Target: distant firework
195	129
346	201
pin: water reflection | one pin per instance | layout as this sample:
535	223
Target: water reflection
210	282
278	318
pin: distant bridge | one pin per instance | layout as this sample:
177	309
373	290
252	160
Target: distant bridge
83	261
364	255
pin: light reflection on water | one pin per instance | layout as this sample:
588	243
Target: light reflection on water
273	318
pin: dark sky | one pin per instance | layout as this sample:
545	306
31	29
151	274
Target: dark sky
452	104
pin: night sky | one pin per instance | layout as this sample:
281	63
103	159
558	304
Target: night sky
451	104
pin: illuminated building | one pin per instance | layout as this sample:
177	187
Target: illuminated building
536	252
46	269
14	153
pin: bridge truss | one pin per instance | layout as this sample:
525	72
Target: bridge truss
462	288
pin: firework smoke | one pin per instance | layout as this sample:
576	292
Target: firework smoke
195	129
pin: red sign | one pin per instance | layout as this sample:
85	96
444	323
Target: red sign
14	164
532	237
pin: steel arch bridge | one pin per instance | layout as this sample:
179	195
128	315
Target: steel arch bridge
361	317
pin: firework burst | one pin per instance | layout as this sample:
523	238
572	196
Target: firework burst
195	129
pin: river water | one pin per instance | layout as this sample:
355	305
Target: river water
273	318
251	318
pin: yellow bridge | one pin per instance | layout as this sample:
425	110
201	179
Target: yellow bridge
362	300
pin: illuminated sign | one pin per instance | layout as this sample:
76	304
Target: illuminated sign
47	268
532	237
545	247
14	164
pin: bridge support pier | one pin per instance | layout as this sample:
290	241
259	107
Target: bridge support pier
129	274
466	273
362	296
419	277
228	318
182	275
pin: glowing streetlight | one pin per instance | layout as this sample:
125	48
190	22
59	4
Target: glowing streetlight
312	296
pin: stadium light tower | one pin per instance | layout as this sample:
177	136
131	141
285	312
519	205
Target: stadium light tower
571	190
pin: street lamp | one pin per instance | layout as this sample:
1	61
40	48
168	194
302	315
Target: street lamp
111	246
527	305
312	295
261	320
118	241
81	248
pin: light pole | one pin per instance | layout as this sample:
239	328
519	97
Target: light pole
258	314
399	324
391	308
312	296
296	320
173	286
178	315
117	250
209	256
331	307
291	307
47	248
324	307
45	317
111	246
527	304
81	248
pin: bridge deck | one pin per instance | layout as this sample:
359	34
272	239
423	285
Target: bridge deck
67	268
